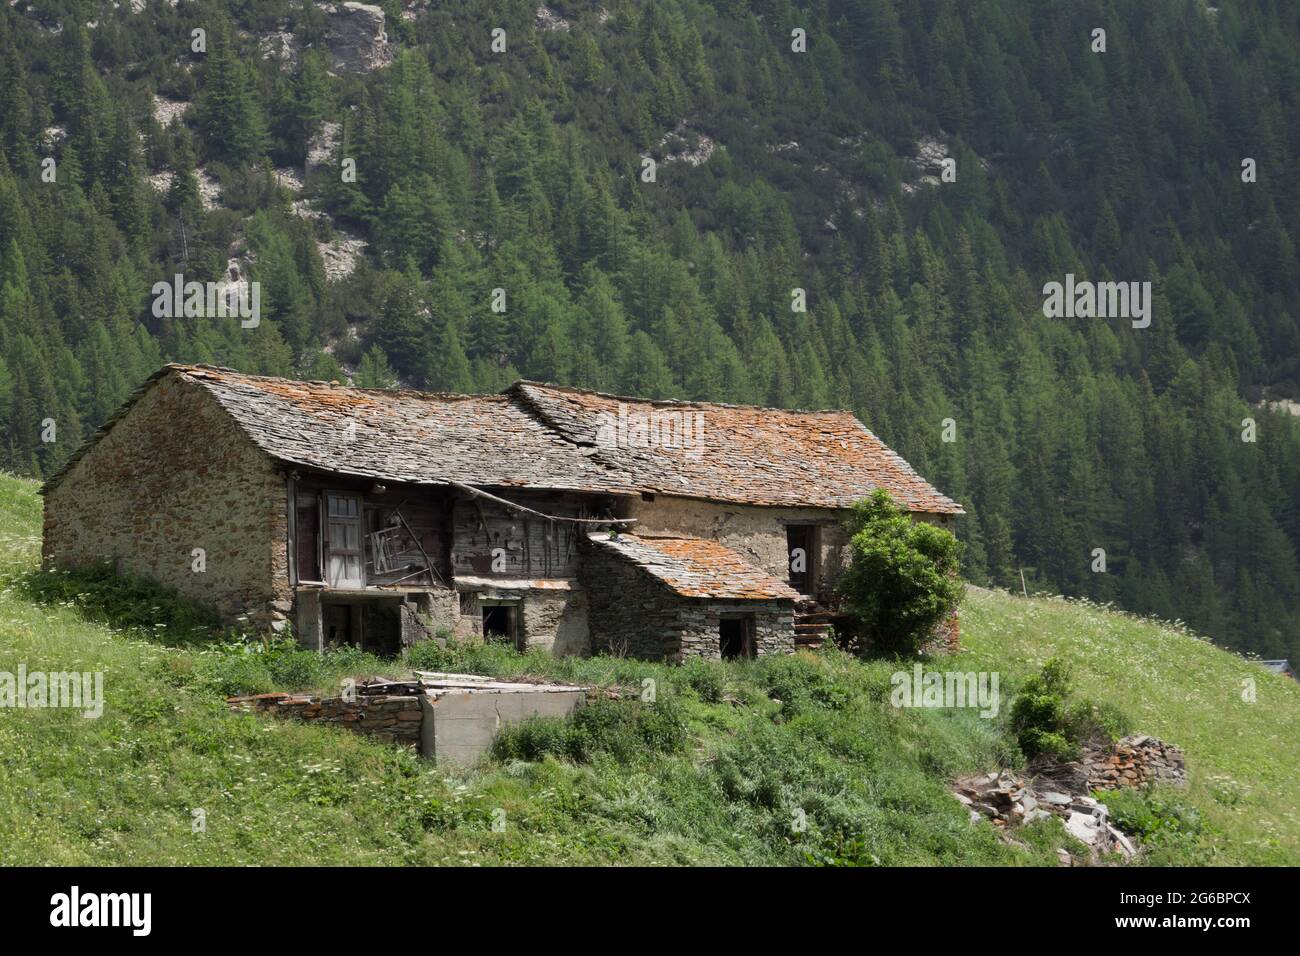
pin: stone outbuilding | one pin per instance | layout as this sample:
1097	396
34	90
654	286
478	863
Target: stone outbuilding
549	517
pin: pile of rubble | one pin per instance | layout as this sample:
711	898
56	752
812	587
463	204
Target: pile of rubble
1009	799
1134	761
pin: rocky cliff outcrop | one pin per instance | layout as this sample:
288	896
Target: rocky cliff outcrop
357	41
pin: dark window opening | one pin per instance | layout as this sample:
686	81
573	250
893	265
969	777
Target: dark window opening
736	637
340	622
801	553
501	622
372	626
381	628
307	532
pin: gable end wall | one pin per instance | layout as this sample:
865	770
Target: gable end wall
174	474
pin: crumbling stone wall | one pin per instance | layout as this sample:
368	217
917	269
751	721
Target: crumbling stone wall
556	621
552	619
1133	761
397	718
175	474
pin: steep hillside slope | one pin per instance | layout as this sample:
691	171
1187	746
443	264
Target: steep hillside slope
718	771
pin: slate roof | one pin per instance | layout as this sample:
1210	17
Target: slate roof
745	454
696	567
408	436
548	437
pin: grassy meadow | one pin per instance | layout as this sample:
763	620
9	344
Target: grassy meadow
784	761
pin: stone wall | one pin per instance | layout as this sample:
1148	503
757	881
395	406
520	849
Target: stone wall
1135	760
397	718
773	626
551	618
556	621
630	613
755	532
175	474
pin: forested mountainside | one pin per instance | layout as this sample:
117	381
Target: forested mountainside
796	147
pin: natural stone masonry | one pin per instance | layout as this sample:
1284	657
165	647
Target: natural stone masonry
178	475
395	718
662	605
773	626
1134	761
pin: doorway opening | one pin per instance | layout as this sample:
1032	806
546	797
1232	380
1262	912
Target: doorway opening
736	637
801	556
501	622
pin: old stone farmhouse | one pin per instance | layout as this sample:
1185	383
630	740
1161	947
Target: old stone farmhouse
550	517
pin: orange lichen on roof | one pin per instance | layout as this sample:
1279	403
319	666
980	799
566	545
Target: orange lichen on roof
696	567
740	453
565	439
402	435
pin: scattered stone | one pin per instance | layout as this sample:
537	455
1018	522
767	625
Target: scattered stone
209	189
341	255
1084	828
167	111
321	146
280	45
1009	800
549	20
677	147
288	177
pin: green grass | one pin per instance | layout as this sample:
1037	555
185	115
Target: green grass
717	770
1243	757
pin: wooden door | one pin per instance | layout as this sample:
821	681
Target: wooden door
344	548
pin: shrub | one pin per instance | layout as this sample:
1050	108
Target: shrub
537	738
624	729
627	728
1161	824
799	685
429	656
705	678
1048	725
902	577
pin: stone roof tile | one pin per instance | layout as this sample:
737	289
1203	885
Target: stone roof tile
545	436
740	453
696	567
